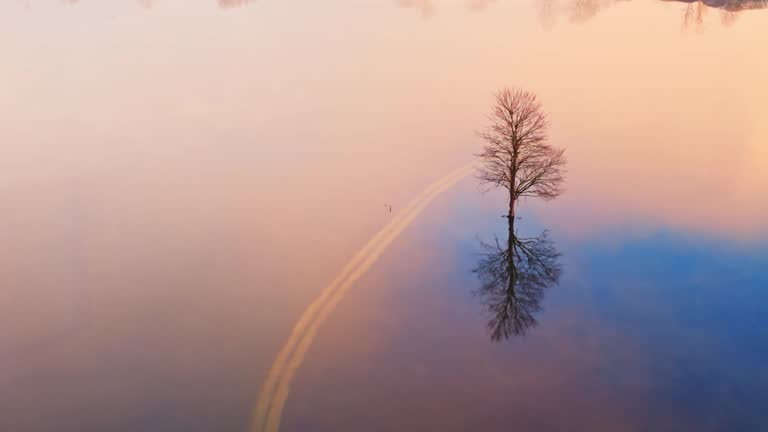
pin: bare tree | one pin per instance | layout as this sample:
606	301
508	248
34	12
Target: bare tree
517	155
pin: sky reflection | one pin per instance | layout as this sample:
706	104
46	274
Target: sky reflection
661	331
635	157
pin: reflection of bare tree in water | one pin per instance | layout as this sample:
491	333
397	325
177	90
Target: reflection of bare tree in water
696	10
693	14
513	281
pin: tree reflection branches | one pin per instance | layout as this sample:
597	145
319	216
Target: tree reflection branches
514	279
694	11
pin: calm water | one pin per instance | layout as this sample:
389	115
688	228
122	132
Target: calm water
180	180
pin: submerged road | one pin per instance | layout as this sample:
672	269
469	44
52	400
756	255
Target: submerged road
274	392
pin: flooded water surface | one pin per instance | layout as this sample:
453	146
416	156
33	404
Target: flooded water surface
262	216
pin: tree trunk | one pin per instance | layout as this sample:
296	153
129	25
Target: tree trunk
512	186
511	207
511	251
511	239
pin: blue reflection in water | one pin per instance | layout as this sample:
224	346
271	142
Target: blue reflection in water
698	307
694	306
659	330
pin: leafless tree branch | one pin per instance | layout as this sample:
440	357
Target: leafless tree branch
517	155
